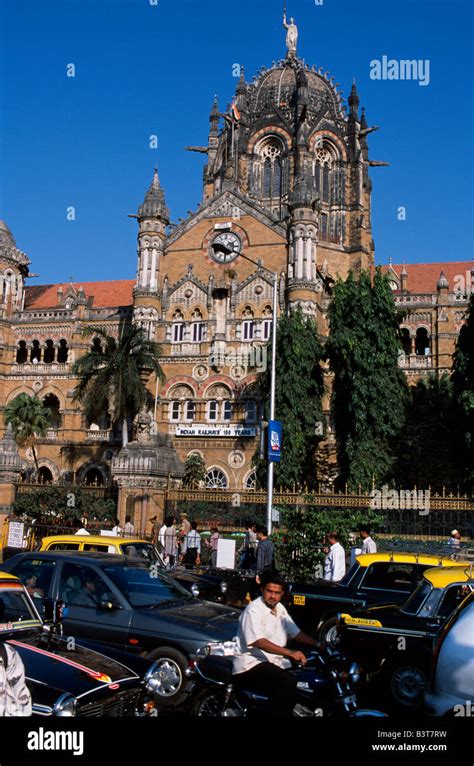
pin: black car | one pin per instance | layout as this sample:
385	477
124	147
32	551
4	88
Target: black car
374	578
395	642
72	678
124	604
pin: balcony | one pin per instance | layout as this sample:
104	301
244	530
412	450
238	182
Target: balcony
28	368
415	362
99	434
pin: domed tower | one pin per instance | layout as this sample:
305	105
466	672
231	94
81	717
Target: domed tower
288	145
13	271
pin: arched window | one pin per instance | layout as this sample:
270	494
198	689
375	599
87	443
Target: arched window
269	176
45	476
197	333
35	353
51	401
177	332
422	342
216	479
406	341
251	481
21	353
93	478
63	351
248	324
48	356
96	347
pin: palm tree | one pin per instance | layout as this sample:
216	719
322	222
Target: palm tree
29	418
110	375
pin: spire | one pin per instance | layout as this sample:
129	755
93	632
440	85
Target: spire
241	85
442	282
354	100
154	205
363	121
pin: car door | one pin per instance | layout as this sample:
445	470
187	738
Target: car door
83	588
37	575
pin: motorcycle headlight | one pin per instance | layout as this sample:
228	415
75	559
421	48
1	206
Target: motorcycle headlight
221	648
65	706
195	589
152	680
223	587
355	674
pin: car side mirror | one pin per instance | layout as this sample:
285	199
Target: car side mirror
108	606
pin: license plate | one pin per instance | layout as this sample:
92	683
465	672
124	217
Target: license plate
299	600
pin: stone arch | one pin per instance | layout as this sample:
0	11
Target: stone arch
50	388
333	142
44	462
23	389
216	477
91	467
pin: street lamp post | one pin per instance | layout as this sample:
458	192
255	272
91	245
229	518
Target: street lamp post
272	387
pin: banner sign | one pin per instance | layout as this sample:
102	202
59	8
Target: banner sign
274	441
15	534
215	431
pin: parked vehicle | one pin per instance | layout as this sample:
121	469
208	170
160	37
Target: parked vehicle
396	641
374	578
452	685
122	603
72	678
212	587
326	687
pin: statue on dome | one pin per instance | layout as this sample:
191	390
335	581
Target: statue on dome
291	35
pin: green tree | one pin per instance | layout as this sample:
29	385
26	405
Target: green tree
298	393
112	375
369	391
29	418
463	391
58	504
425	450
194	470
298	546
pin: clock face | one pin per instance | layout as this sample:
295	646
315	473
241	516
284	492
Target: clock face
225	247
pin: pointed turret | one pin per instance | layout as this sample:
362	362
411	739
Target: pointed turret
354	102
154	205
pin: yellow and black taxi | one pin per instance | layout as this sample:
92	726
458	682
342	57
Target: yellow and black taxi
396	641
68	677
212	587
374	578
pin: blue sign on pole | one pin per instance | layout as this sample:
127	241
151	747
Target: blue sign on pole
274	441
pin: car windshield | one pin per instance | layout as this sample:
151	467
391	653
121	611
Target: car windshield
350	574
145	587
16	613
143	551
414	603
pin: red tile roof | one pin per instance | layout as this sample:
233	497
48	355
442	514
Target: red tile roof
423	277
101	294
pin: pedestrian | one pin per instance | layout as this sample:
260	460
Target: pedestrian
161	536
191	547
213	543
455	540
170	549
248	551
368	545
79	528
335	561
155	529
265	552
117	530
261	658
129	529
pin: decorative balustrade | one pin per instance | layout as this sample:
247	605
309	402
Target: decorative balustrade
415	361
41	368
99	434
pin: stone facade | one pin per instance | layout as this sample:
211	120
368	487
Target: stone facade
286	184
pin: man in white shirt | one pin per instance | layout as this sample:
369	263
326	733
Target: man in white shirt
368	545
129	529
80	530
335	561
261	658
191	547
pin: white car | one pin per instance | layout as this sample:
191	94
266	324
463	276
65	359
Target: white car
452	691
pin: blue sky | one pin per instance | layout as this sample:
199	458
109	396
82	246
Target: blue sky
145	69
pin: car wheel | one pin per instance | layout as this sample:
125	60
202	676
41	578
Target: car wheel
172	665
408	684
329	630
210	703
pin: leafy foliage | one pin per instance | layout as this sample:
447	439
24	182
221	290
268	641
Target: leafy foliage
194	470
29	418
58	504
426	455
112	376
370	391
299	546
298	393
463	392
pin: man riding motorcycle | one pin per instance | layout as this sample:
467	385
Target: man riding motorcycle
261	657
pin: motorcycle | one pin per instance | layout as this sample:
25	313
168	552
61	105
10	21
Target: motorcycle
324	689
